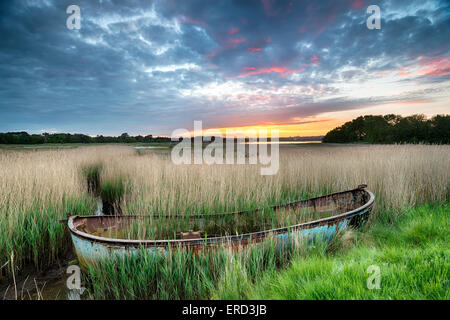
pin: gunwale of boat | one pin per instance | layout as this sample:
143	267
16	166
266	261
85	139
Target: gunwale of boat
231	238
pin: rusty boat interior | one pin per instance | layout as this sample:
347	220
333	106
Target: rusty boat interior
352	206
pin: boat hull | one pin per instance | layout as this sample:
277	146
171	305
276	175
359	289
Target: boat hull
91	249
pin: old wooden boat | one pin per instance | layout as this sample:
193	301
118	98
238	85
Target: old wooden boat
347	208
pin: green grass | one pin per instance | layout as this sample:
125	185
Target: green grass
37	238
112	192
92	174
185	274
411	253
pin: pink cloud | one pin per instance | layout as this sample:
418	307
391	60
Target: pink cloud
267	4
283	71
437	67
189	20
233	31
315	60
268	8
235	41
417	101
254	49
429	67
226	41
358	4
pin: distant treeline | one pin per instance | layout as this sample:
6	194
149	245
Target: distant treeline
393	128
25	138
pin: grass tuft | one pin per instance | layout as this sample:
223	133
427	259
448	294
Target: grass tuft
92	173
112	193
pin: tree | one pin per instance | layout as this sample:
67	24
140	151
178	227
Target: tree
124	137
392	129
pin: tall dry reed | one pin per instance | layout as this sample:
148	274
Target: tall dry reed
37	188
401	176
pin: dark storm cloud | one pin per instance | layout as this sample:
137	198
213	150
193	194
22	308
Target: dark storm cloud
130	64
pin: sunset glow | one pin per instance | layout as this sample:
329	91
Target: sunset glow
291	130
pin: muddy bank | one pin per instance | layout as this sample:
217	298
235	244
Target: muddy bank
49	284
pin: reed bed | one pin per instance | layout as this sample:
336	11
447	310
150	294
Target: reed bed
37	188
401	176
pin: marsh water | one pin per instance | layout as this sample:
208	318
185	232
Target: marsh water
49	284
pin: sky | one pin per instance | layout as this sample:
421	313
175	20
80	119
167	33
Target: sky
150	67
